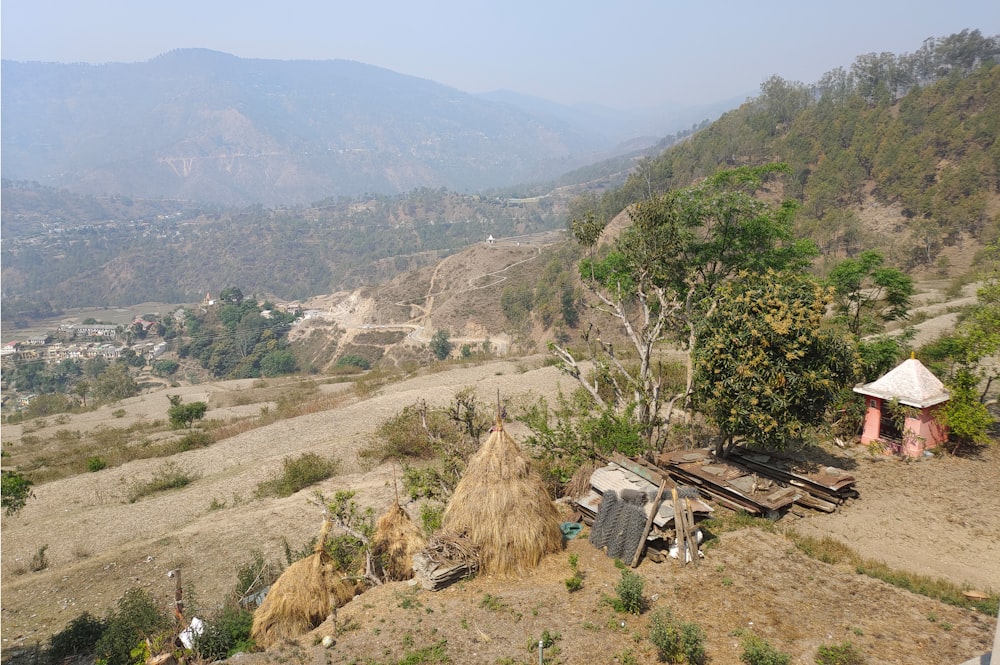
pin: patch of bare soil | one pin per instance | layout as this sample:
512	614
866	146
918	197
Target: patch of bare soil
937	516
749	580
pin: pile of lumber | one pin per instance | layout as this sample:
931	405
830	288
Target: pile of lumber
824	487
624	476
447	559
762	484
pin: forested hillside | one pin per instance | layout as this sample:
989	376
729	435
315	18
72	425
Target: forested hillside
287	253
896	152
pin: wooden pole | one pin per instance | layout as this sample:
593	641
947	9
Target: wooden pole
649	524
178	595
678	527
691	528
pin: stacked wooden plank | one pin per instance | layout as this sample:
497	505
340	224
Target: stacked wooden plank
729	483
760	483
825	487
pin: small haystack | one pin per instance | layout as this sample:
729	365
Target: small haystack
502	506
394	543
302	598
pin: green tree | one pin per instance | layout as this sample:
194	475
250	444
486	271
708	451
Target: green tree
278	362
47	405
114	383
867	294
81	389
967	361
93	367
16	490
231	294
184	415
248	333
767	368
165	367
967	417
135	618
440	344
28	377
661	278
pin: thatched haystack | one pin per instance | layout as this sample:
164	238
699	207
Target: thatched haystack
502	506
302	598
395	541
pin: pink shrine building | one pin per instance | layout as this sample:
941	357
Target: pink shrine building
912	385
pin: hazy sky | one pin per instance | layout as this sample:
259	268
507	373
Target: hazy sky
619	53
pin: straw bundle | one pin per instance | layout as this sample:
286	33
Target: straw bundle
579	485
394	543
302	598
501	505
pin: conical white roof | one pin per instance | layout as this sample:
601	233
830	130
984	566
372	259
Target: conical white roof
911	383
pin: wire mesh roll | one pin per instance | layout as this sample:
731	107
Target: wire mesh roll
627	531
607	514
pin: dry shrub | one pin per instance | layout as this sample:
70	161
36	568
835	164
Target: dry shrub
502	506
579	485
302	598
394	543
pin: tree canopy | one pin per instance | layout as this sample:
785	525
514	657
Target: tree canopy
441	345
662	275
766	367
184	415
868	294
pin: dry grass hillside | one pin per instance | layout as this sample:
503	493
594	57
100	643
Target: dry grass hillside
935	517
938	517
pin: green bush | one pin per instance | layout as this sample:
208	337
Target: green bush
403	436
348	553
840	654
299	473
425	482
353	360
194	439
169	476
15	489
575	582
255	574
184	415
758	651
136	618
225	633
77	639
430	517
629	590
96	463
676	642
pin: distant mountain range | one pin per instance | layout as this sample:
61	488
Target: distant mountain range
207	126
